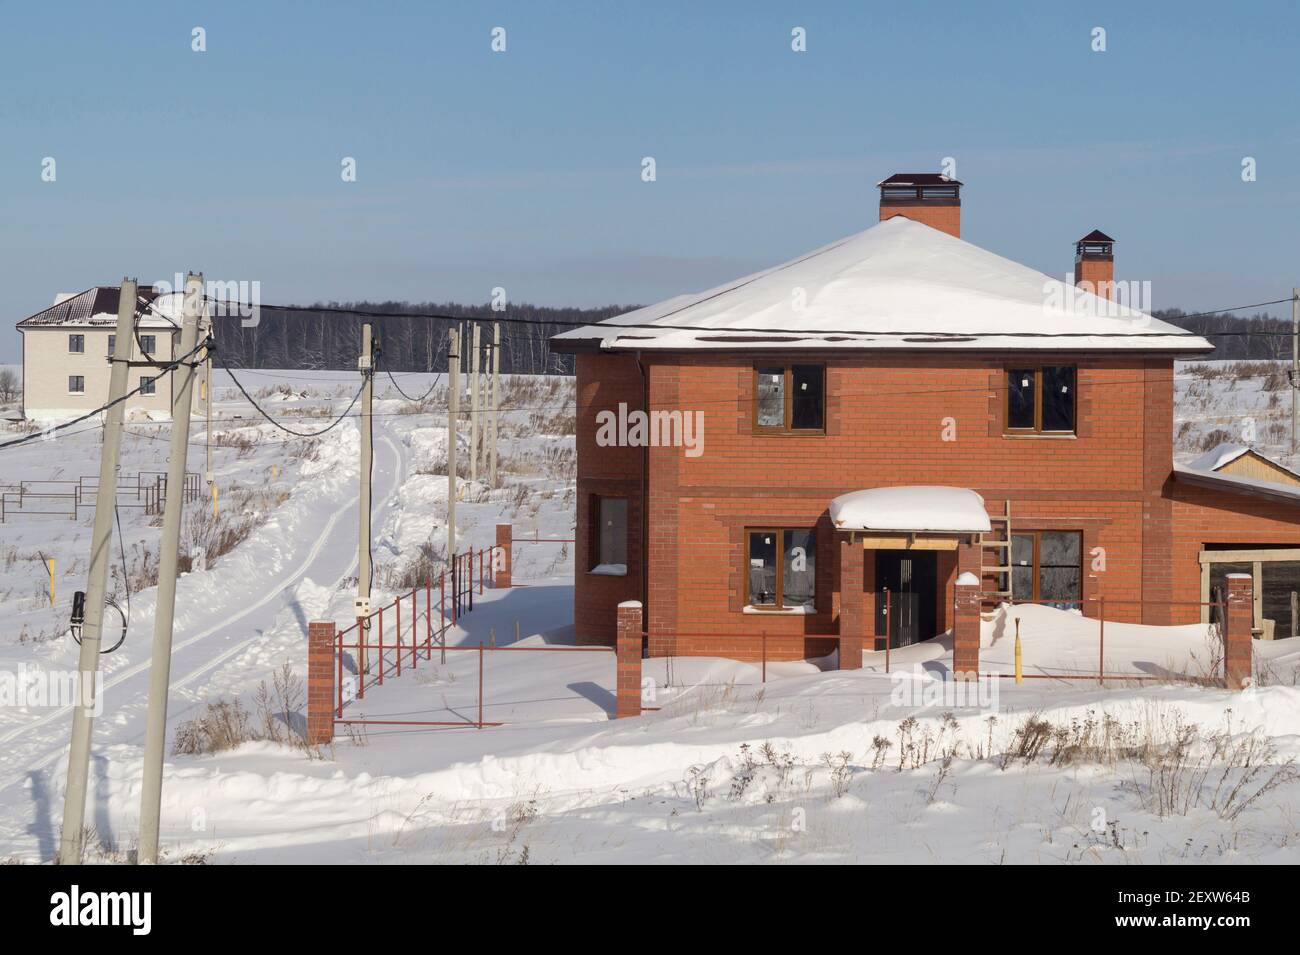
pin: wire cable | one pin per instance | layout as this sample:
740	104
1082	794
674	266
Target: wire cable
420	400
838	332
300	434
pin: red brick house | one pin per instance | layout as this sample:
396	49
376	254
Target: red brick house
883	414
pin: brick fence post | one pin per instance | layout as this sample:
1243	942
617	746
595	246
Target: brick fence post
501	557
966	616
628	697
853	624
1239	619
322	648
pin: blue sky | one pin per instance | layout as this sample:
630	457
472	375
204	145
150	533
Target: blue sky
522	169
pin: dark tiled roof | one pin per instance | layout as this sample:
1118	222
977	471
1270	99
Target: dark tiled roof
918	179
1096	235
93	307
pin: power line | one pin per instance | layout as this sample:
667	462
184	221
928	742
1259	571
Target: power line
300	434
836	332
421	399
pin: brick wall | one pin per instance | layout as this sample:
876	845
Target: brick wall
1141	532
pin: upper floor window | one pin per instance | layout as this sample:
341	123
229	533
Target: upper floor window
1041	400
76	384
112	340
77	344
148	386
148	344
782	569
790	398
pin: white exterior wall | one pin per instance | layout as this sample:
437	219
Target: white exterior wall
47	364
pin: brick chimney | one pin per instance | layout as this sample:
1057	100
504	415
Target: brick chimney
1094	264
925	197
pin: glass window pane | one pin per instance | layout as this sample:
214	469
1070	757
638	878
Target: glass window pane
111	339
1020	398
798	576
613	531
808	400
1219	584
1060	548
771	397
1281	579
762	568
1059	583
1058	398
1022	583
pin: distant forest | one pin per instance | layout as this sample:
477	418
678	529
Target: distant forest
310	338
1269	338
315	339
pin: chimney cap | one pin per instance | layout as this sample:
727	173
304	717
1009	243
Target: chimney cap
1096	235
919	179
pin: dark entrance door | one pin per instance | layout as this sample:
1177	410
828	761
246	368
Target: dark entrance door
911	578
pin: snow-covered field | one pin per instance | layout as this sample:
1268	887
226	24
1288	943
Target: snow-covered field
816	765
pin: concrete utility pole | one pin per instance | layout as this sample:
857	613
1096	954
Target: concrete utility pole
496	400
364	571
205	332
453	414
474	407
1295	363
74	801
160	666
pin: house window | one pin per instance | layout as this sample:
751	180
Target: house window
147	386
77	344
1041	400
1047	566
781	568
608	535
76	384
790	398
148	344
112	340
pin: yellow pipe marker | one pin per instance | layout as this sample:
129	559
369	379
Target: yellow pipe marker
214	499
50	562
1019	677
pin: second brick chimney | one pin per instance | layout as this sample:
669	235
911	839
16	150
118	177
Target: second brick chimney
1094	264
926	197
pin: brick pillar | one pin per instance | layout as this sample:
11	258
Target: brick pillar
853	623
966	611
628	696
1239	620
322	649
501	557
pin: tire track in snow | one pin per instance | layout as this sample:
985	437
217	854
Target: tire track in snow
287	583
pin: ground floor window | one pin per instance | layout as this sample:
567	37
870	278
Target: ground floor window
781	568
76	384
147	386
1047	565
608	545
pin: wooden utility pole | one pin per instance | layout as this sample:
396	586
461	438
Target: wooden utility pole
74	800
474	407
160	666
365	573
453	413
496	400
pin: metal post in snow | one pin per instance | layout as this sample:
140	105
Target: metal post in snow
428	621
339	681
442	615
415	617
480	684
887	640
1101	641
764	656
397	607
381	646
361	676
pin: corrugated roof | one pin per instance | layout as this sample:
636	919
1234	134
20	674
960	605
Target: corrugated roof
93	308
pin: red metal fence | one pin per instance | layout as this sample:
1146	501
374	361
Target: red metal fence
65	498
399	645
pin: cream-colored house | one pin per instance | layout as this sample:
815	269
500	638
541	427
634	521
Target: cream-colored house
66	348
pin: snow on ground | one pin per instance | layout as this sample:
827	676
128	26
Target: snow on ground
1242	402
814	765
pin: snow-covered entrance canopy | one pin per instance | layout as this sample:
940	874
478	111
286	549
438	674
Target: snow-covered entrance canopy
897	285
908	509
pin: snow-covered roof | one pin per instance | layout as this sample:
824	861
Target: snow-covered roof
1218	456
955	510
1217	480
97	307
898	285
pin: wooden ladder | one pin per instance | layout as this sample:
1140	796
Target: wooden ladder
998	550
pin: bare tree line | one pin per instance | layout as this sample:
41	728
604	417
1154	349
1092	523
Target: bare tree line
309	338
